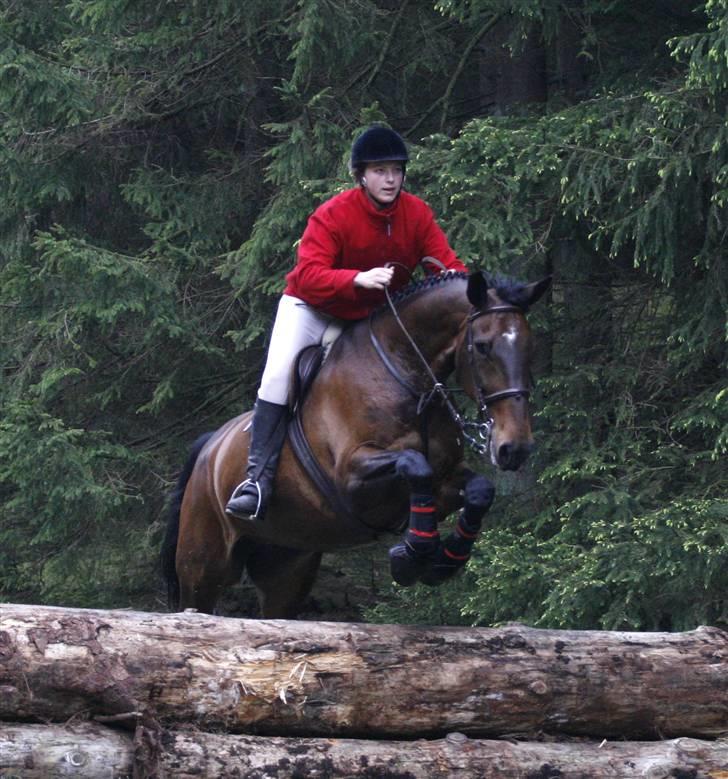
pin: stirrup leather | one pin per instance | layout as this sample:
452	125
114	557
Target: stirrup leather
238	491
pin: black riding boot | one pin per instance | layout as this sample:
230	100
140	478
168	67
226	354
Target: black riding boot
250	499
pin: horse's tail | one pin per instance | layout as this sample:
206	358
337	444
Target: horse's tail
168	552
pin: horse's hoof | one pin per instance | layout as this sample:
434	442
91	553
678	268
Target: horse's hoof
479	493
406	569
444	566
439	574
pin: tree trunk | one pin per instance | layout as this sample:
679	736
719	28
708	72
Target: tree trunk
509	81
88	751
316	678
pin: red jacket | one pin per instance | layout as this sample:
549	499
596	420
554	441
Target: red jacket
348	234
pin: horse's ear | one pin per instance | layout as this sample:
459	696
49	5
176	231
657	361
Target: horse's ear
477	289
533	291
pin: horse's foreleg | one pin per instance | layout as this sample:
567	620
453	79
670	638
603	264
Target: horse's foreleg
455	550
415	555
421	556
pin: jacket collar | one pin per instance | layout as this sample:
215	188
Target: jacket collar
372	210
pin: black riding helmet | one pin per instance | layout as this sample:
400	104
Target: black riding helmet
378	144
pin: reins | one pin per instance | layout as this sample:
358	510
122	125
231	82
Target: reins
481	428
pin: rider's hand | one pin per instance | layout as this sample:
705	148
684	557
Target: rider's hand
376	278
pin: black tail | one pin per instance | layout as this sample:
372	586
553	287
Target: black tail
168	552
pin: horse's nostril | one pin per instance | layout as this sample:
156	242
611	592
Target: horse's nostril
512	456
505	456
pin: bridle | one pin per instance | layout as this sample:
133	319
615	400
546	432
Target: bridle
482	428
511	392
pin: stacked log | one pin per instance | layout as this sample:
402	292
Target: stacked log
190	694
90	751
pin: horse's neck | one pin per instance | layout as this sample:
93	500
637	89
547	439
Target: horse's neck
433	321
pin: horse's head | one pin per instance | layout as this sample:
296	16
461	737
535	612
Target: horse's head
493	363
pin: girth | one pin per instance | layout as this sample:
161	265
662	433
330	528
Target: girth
306	457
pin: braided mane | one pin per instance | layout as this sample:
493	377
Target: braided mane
508	290
434	280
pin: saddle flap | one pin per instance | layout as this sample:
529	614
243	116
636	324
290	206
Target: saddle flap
307	365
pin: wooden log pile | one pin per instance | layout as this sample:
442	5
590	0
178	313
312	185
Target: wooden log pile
121	693
90	751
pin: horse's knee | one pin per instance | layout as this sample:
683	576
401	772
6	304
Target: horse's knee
413	467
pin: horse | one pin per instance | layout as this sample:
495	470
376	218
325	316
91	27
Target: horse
383	449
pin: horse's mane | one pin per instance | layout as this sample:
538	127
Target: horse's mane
509	290
433	280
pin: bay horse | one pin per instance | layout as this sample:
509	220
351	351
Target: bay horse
386	439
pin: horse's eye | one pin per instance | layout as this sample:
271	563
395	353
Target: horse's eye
483	348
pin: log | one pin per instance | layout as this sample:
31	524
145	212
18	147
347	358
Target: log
89	751
316	678
50	751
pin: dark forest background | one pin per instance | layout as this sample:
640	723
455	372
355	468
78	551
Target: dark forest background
158	161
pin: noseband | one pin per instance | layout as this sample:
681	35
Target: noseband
483	427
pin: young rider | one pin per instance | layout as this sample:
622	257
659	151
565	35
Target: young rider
341	272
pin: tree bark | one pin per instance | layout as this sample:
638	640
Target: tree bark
88	751
48	751
316	678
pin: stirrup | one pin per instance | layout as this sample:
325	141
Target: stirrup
238	491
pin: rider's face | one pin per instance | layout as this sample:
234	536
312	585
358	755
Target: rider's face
383	181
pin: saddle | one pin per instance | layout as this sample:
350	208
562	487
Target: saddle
305	369
309	362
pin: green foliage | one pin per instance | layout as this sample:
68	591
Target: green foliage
626	525
707	51
65	495
114	214
157	165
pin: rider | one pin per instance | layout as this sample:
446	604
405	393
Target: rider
341	273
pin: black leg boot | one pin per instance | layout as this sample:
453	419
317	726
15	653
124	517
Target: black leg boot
250	498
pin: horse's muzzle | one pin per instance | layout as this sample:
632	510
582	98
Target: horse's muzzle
511	456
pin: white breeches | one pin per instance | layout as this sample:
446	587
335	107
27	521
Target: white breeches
297	325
